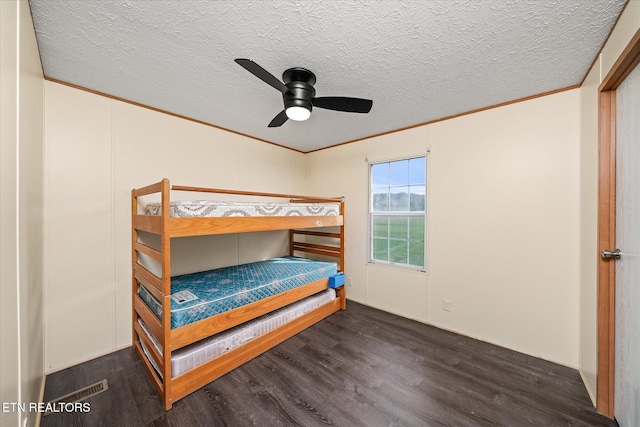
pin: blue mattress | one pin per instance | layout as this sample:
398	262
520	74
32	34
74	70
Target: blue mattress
197	296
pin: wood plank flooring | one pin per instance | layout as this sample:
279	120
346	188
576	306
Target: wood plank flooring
359	367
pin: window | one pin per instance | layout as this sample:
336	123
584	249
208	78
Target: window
397	212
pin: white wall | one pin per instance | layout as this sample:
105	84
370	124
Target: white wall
21	137
9	314
97	150
343	171
503	230
627	26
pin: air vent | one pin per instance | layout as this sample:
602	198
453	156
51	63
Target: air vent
79	395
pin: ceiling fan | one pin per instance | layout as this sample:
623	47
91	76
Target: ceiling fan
299	95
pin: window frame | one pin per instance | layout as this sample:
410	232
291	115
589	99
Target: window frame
371	214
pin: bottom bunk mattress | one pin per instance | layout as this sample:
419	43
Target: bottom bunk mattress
198	296
196	354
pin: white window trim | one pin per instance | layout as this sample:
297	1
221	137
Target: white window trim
390	264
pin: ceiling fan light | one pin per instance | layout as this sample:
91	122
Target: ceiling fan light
298	113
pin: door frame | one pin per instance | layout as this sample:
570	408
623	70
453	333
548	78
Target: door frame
626	62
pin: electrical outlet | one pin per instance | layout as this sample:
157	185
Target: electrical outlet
446	305
349	281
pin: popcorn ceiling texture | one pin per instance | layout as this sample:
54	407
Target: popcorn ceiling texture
418	60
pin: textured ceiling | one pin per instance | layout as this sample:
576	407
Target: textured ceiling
417	60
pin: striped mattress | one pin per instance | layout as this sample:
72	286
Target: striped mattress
212	208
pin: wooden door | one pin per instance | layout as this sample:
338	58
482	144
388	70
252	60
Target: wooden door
627	274
608	301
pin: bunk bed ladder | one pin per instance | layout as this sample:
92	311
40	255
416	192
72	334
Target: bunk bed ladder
160	287
165	243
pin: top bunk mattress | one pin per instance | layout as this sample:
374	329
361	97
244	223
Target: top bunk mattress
213	208
198	296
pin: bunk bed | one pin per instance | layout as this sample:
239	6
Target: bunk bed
181	355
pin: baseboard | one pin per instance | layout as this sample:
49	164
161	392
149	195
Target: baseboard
78	362
590	392
40	400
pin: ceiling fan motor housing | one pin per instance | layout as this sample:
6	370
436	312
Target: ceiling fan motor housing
300	83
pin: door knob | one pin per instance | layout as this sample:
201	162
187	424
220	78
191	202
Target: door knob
608	254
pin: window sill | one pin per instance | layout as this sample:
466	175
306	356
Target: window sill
402	267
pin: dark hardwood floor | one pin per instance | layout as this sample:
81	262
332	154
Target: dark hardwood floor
359	367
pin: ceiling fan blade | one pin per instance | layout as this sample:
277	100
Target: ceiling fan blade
279	119
342	103
262	74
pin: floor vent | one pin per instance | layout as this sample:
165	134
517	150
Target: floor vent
78	395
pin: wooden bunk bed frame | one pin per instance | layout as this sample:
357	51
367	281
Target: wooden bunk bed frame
167	227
